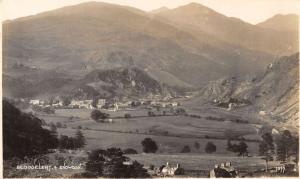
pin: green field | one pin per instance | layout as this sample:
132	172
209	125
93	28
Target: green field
85	113
171	133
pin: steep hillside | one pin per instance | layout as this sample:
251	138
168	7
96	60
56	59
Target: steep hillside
196	17
274	93
79	39
279	22
23	134
119	82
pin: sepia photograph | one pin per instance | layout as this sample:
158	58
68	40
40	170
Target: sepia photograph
150	88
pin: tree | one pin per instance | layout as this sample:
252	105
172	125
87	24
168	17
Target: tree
66	101
127	116
180	111
266	148
196	145
151	113
96	115
186	149
285	146
80	139
210	147
149	146
241	148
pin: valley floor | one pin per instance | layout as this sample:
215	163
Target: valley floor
170	132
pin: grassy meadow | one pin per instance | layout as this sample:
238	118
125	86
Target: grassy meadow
171	133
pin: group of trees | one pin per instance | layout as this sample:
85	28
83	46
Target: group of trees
150	146
241	148
151	114
23	134
112	163
284	146
180	111
66	142
186	149
287	146
209	148
98	116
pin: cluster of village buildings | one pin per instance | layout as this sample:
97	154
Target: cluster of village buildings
104	104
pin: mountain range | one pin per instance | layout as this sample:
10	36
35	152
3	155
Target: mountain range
186	47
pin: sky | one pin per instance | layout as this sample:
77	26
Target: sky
252	11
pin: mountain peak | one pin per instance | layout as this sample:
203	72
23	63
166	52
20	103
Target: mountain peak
195	6
281	22
194	9
159	10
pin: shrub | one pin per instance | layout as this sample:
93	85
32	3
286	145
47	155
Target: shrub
186	149
130	151
127	116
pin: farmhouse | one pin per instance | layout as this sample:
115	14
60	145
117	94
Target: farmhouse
124	104
174	104
113	107
164	104
101	103
171	171
224	170
34	101
58	103
82	104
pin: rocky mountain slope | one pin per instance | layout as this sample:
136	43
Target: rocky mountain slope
196	17
274	93
79	39
128	82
